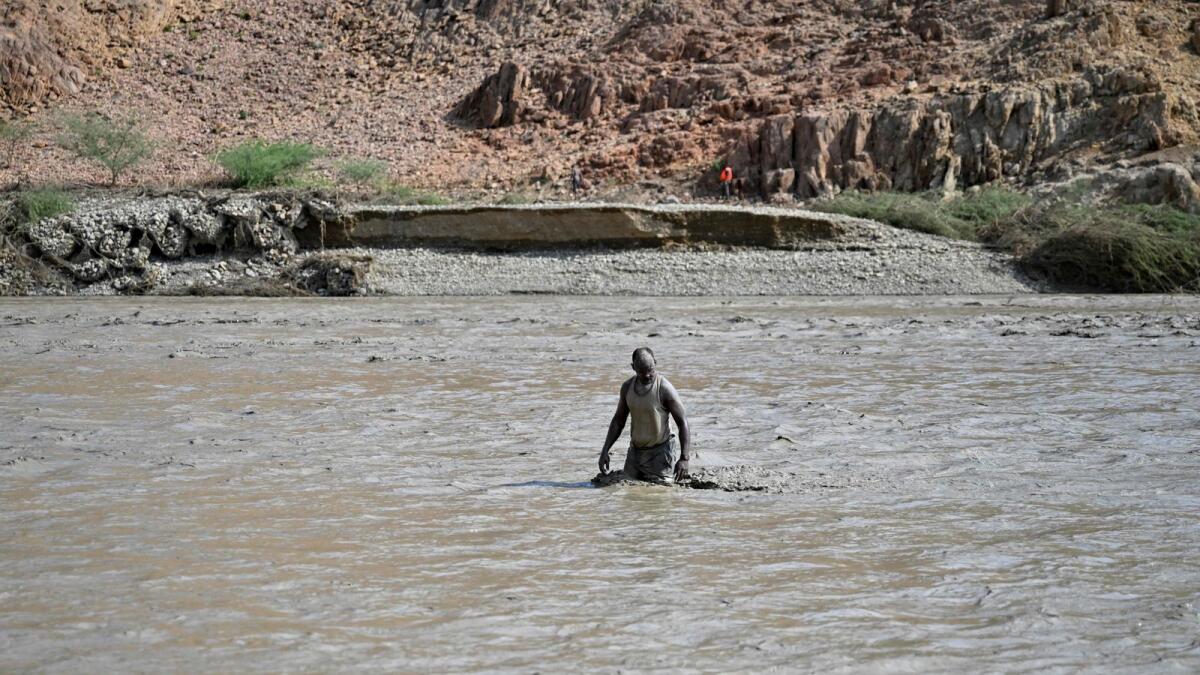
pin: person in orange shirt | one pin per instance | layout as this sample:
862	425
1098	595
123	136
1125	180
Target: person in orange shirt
727	180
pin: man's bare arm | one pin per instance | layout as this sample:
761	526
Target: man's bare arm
615	427
673	405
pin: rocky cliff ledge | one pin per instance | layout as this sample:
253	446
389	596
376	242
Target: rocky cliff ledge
960	140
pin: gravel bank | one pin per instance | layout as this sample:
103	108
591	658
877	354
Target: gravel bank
945	270
872	259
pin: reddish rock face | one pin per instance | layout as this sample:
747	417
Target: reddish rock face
858	115
45	47
961	139
801	97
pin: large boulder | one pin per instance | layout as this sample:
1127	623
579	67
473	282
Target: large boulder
515	93
499	101
1166	183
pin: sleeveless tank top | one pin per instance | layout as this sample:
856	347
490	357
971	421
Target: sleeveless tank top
650	425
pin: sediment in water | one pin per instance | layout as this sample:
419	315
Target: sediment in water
740	478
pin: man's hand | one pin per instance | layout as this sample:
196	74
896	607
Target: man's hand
681	470
604	462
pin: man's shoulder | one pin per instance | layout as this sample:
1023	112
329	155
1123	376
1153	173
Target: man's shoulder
627	383
666	388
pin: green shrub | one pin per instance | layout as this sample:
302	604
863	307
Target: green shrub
987	205
363	172
1162	217
12	135
117	145
961	217
36	205
1102	249
918	212
256	163
431	199
1122	248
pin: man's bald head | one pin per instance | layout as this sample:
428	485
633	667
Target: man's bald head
643	360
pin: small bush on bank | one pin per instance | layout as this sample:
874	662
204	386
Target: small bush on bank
12	135
986	206
257	163
961	217
115	144
363	172
919	212
35	205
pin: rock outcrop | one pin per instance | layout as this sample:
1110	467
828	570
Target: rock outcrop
1171	178
46	48
499	101
515	94
1060	7
965	139
1071	81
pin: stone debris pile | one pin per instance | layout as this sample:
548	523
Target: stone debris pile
107	238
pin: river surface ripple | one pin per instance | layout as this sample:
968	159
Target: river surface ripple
993	484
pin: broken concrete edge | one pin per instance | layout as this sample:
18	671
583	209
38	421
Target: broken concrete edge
578	226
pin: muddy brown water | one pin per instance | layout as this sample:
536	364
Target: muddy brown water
986	484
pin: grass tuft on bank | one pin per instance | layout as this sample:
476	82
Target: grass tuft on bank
959	218
257	163
21	272
1137	248
36	205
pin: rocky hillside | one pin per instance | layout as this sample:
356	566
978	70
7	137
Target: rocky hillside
48	49
804	97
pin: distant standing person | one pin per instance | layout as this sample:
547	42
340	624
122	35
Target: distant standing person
576	180
727	180
648	397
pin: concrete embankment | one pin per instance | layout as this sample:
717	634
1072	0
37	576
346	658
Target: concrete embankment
264	244
544	226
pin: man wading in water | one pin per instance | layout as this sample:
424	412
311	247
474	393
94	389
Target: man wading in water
648	397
